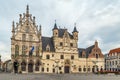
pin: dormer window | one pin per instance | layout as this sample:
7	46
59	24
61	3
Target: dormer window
47	48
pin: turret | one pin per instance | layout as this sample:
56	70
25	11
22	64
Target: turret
75	32
55	30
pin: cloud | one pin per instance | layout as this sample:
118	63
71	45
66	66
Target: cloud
96	20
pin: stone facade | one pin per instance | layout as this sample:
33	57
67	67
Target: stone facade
112	60
57	54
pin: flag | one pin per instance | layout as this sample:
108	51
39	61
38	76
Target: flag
31	51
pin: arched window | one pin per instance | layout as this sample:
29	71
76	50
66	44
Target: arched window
47	69
84	69
23	49
23	66
42	69
47	56
16	49
23	37
79	69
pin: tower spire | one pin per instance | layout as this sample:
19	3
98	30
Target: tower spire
55	25
75	29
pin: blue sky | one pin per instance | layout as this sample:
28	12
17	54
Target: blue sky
95	20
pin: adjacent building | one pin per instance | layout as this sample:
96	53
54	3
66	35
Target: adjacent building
112	60
33	52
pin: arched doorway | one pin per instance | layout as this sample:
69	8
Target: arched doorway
23	66
67	69
30	66
16	64
67	66
95	69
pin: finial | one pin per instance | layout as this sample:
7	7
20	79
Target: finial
13	25
40	28
55	20
27	11
34	20
74	24
27	8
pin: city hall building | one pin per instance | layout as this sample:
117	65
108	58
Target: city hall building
31	52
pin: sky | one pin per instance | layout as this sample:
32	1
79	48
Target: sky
95	20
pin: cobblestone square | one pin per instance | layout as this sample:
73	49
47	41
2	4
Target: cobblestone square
11	76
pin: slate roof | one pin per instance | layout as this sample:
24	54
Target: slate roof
80	50
75	30
46	41
61	33
55	26
87	51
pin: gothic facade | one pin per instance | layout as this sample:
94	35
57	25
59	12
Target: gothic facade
33	52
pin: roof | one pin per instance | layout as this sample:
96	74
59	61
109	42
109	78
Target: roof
47	41
80	50
117	50
62	31
55	26
75	30
87	51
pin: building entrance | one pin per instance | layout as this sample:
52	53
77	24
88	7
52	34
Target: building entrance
67	69
30	67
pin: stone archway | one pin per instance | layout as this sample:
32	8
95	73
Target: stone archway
95	68
30	66
23	66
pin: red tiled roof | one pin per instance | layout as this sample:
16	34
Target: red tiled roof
117	50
